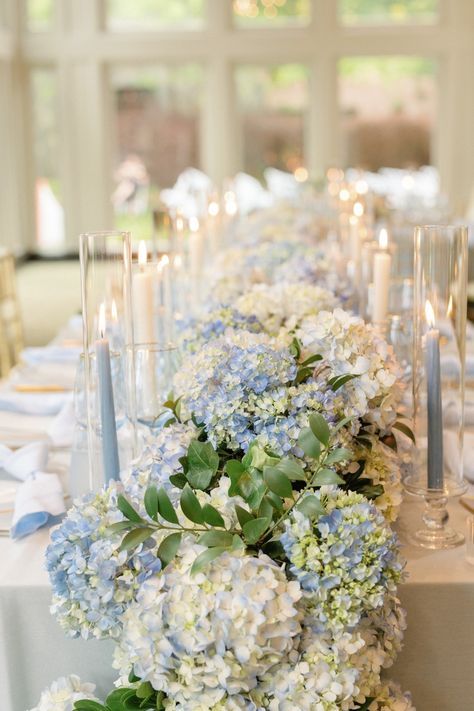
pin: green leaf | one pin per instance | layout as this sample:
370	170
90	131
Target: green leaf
132	677
165	507
372	491
402	427
151	502
295	348
260	458
86	705
168	548
312	359
303	374
127	509
237	543
203	463
292	469
309	443
135	537
211	539
342	423
178	480
191	506
274	500
206	557
160	697
327	476
266	507
319	427
254	529
212	516
278	482
243	515
234	467
117	699
339	455
118	527
145	690
311	506
340	380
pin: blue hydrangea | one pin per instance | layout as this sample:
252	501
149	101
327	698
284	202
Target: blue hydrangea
194	333
347	560
93	581
234	383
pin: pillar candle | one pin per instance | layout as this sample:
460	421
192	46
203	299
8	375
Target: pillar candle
382	268
142	287
110	455
434	403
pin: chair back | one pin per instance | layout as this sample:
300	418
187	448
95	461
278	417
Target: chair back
11	329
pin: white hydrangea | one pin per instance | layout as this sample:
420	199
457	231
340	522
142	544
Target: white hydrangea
63	694
200	637
390	697
228	703
382	466
284	304
349	346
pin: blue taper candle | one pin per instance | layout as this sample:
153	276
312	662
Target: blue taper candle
434	404
110	456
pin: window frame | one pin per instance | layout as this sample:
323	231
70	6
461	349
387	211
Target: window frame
83	52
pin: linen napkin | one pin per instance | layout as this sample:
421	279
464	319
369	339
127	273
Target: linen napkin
53	353
61	431
451	453
33	403
39	499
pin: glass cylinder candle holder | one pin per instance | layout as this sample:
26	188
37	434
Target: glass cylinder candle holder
108	349
439	343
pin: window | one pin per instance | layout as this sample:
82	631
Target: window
387	111
39	15
49	210
271	13
131	15
272	103
157	115
384	12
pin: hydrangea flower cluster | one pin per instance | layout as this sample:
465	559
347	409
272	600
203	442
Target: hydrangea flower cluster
93	581
231	382
214	633
349	346
347	560
284	304
194	332
63	693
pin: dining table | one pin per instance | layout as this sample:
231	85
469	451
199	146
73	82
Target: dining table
437	661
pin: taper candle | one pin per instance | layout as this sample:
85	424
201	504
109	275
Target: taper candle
142	288
110	456
382	268
434	403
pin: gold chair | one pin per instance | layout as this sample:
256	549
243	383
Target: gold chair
11	329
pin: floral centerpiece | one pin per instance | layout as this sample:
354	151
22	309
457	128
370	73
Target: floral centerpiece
246	560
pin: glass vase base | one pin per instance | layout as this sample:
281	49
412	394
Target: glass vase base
437	540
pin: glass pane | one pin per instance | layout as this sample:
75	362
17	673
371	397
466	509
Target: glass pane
39	15
129	15
271	13
49	211
383	12
157	113
387	111
272	103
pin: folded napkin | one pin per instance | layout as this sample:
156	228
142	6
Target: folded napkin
451	453
33	403
61	431
58	354
39	499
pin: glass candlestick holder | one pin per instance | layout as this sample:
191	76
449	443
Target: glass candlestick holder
439	343
108	352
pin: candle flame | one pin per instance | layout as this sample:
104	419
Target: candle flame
113	311
383	238
165	260
193	224
361	187
213	208
429	313
142	253
344	195
301	174
102	319
358	209
178	262
449	310
179	223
